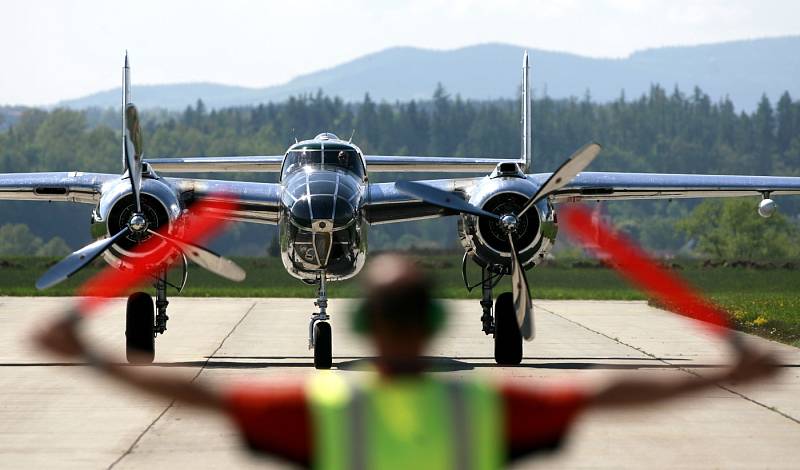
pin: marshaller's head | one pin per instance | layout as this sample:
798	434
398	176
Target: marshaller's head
398	311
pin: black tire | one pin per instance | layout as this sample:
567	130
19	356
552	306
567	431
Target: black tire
140	329
322	345
507	337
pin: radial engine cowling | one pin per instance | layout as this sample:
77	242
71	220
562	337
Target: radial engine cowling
486	241
161	207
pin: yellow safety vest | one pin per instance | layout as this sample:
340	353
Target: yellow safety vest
416	424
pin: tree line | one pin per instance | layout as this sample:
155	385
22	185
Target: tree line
661	131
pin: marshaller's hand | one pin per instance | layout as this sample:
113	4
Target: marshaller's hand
60	337
754	363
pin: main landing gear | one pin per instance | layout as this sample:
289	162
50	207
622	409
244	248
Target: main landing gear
319	330
503	323
143	322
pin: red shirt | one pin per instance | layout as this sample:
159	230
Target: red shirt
277	420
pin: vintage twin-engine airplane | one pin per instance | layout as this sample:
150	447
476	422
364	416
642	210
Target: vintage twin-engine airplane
324	204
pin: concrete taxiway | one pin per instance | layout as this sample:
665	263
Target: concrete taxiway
61	415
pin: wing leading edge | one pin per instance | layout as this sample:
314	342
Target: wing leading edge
252	163
609	186
257	202
387	205
73	186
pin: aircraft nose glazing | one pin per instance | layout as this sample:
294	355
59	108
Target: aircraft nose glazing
322	201
321	204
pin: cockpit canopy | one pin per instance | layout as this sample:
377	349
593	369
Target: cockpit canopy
323	155
326	136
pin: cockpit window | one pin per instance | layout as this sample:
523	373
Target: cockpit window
297	159
345	158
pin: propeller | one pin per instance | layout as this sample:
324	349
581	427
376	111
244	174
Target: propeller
205	258
73	263
133	152
440	198
520	292
568	170
565	173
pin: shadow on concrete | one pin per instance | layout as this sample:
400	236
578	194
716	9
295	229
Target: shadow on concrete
471	358
434	364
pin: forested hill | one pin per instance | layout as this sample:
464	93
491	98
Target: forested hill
742	70
662	131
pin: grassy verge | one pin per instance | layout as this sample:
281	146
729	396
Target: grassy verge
762	301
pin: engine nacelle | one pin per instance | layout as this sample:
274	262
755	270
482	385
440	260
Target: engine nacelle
160	205
486	241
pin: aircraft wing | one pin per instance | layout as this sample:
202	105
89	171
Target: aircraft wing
392	163
73	186
251	163
386	205
375	164
257	202
594	186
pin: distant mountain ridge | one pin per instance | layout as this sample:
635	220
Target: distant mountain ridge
742	70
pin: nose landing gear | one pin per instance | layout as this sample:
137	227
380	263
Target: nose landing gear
319	330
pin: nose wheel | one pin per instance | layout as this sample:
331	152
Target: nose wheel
319	330
323	347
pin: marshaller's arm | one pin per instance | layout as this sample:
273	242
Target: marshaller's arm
62	338
632	390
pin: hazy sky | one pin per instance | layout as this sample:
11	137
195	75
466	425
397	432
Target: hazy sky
52	50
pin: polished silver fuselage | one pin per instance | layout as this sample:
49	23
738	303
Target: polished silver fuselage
321	221
321	224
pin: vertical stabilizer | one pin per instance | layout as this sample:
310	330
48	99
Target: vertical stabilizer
126	82
126	98
527	133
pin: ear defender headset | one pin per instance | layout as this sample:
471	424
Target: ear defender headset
361	317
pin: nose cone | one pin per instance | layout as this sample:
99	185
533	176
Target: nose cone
322	201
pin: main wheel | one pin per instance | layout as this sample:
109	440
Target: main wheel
507	337
322	345
139	329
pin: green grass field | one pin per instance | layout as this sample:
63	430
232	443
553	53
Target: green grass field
762	301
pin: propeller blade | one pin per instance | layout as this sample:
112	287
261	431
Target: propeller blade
73	263
565	173
521	293
207	259
440	198
133	152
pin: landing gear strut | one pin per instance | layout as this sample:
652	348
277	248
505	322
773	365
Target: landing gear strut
161	304
319	330
486	303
